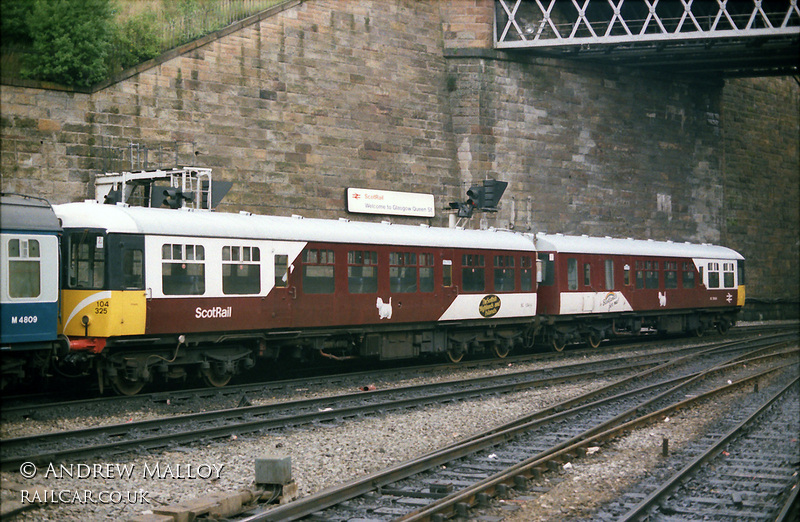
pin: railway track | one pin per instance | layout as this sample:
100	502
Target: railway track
749	472
181	429
219	423
450	481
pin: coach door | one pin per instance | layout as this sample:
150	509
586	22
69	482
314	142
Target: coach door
126	279
284	288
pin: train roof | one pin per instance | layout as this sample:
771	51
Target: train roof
27	213
632	247
203	223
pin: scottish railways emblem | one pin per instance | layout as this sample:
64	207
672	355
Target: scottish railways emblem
489	306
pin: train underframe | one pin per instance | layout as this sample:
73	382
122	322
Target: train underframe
31	363
591	329
127	365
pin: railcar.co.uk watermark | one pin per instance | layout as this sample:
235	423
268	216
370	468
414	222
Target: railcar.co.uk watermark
110	471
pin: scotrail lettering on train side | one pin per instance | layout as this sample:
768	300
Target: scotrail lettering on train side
216	312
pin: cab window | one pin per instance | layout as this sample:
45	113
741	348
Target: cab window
86	260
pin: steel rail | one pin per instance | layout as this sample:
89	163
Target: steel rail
469	497
674	481
247	426
335	495
271	422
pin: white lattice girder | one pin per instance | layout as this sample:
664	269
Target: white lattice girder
558	23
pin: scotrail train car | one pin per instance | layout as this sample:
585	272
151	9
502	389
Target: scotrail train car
594	288
29	287
168	293
157	291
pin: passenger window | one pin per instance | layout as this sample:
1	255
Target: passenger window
651	279
318	271
473	273
670	274
24	268
362	272
688	276
609	274
587	274
183	269
504	277
640	274
572	273
403	272
526	274
241	270
647	275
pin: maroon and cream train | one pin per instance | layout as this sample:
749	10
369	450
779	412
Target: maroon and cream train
169	292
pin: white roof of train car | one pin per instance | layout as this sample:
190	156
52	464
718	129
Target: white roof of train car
193	223
631	247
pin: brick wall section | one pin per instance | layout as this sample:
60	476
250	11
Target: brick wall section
467	24
761	122
407	95
590	150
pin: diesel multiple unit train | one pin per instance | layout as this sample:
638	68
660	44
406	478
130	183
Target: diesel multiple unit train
133	294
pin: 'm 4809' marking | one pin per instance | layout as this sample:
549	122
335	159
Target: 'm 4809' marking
24	319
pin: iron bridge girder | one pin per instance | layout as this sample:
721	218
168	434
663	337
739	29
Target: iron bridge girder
735	37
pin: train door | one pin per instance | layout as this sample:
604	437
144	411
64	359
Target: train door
126	280
449	287
282	260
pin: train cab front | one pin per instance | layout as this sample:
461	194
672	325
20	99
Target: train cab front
103	295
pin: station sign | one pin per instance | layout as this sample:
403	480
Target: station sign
368	201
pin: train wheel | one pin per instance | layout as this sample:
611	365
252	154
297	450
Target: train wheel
455	356
592	339
558	343
501	350
124	386
699	330
216	378
723	326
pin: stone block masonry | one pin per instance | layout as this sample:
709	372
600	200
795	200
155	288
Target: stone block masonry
410	96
